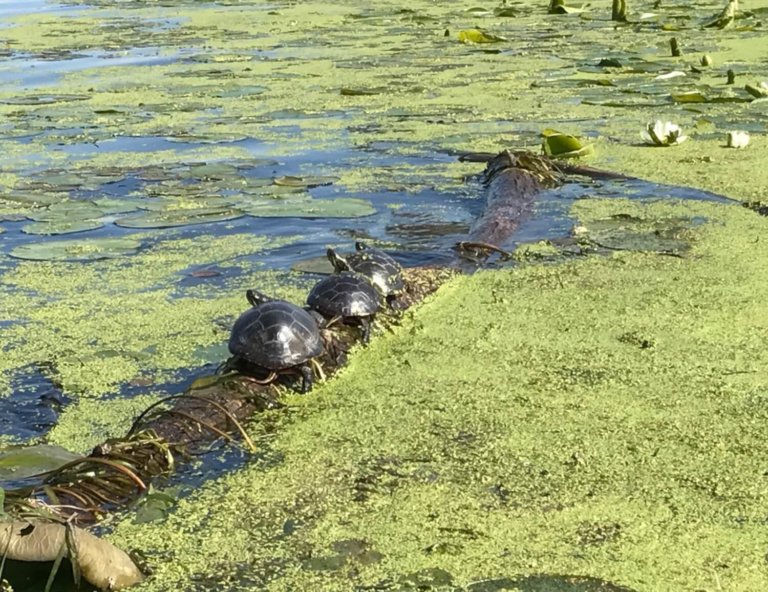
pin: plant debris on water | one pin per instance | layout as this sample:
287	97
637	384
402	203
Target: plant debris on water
586	423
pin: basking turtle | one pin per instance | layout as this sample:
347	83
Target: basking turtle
384	272
350	296
276	335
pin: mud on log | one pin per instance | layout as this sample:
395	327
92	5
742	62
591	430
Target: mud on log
119	471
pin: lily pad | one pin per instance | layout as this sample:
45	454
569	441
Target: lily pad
317	181
18	462
560	145
179	217
44	99
77	250
478	36
62	227
629	233
319	265
342	207
68	211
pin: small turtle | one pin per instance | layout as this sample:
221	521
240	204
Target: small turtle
384	272
276	335
350	296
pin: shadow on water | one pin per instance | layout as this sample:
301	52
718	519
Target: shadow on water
32	407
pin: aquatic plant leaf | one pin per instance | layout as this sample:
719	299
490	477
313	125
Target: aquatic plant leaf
559	145
18	462
341	207
693	96
43	99
478	36
758	92
61	227
77	250
31	198
179	217
101	563
319	265
289	181
212	171
67	211
357	92
628	233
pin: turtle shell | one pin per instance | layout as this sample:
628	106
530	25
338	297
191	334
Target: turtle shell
275	335
385	273
347	294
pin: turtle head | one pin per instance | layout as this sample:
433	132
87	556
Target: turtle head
256	298
360	246
338	262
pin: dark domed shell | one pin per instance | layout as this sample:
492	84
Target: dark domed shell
346	294
276	335
385	273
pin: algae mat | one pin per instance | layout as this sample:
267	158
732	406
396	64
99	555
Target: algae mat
603	418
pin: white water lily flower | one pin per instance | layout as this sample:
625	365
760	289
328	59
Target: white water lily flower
737	139
663	133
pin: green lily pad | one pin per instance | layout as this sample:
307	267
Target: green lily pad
44	99
479	36
629	233
68	211
559	145
77	250
342	207
61	227
31	198
317	181
212	171
319	265
18	462
179	217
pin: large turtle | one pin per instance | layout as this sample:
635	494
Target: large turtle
276	335
349	296
384	272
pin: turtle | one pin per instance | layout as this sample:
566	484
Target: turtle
348	295
384	272
276	335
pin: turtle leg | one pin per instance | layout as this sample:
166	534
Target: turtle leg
365	327
306	378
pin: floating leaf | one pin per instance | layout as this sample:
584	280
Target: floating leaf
18	462
319	265
289	181
179	217
77	250
559	145
342	207
693	96
68	211
478	36
62	227
357	92
43	99
758	92
624	232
